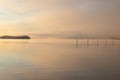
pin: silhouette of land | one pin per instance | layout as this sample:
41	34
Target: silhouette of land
15	37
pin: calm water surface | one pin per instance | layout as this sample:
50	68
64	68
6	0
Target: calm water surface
59	60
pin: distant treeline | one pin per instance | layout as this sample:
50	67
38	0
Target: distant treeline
14	37
117	38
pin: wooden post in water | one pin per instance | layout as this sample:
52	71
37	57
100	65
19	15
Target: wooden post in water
76	43
87	42
105	41
97	42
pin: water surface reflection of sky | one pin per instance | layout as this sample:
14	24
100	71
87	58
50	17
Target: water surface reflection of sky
34	60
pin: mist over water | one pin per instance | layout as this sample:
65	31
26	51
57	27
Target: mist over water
42	59
58	49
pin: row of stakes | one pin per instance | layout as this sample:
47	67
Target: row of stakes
88	43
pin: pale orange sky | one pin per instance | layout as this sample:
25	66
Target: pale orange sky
62	17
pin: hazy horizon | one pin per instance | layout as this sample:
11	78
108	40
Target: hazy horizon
60	17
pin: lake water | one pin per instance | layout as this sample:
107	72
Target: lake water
53	59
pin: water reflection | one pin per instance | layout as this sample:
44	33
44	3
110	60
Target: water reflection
58	60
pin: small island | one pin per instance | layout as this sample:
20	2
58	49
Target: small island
14	37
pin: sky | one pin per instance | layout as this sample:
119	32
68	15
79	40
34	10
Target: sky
60	18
